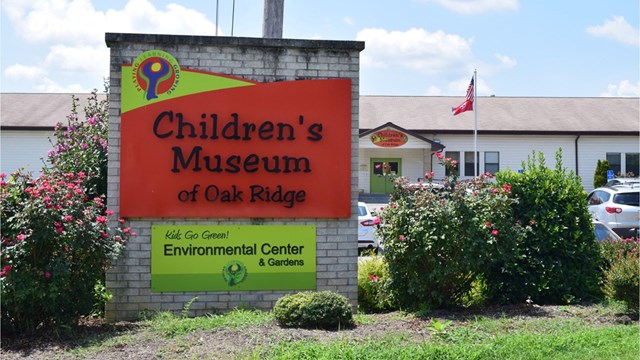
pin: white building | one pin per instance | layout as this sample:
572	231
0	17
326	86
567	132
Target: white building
509	130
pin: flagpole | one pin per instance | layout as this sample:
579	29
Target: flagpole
475	123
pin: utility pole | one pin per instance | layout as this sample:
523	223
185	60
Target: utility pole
273	19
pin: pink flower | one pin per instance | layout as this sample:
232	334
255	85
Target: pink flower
5	270
454	163
109	212
59	230
506	187
47	275
3	175
429	175
68	218
133	233
401	237
101	219
494	232
21	237
487	224
439	155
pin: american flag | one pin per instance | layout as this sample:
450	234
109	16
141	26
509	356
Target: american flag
467	104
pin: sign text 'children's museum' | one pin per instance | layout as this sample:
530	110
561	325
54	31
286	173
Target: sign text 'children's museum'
197	144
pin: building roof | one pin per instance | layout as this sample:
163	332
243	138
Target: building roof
423	114
504	114
38	110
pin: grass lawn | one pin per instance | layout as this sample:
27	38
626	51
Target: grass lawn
517	332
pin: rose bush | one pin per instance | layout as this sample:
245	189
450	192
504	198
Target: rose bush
56	245
81	144
438	241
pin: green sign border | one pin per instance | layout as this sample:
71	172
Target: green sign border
232	258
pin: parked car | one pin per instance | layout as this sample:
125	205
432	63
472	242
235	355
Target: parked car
617	207
603	232
623	181
367	238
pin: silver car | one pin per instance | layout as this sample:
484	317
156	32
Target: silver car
617	207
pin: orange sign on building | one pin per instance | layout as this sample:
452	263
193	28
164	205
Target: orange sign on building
389	138
196	144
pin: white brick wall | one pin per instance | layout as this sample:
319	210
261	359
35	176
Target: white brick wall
262	60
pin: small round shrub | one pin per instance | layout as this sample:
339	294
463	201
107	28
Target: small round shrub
621	268
324	310
372	292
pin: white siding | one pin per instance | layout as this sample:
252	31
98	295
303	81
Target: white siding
23	149
513	150
594	148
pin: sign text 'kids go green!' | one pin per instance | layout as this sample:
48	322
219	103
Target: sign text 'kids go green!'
232	258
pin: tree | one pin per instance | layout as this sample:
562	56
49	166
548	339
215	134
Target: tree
600	176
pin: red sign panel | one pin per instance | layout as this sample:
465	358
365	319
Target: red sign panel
389	138
265	150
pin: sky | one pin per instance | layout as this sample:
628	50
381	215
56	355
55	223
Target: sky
548	48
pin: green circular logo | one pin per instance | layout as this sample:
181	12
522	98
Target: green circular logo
234	273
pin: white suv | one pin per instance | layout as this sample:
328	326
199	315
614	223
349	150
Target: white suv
617	207
367	238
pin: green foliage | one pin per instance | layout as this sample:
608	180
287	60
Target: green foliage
600	176
558	261
438	242
56	244
81	144
324	310
372	291
622	269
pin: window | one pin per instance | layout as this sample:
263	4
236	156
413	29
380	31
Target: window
454	155
598	197
614	162
468	163
632	161
491	162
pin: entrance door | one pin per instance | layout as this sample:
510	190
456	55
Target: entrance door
383	171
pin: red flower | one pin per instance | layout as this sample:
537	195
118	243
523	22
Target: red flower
494	232
506	187
101	219
487	224
5	270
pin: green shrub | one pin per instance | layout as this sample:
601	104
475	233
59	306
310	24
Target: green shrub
558	261
600	175
81	144
55	246
438	242
372	292
621	271
324	310
621	282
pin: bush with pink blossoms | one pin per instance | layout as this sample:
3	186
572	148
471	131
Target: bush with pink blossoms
441	240
56	245
81	144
